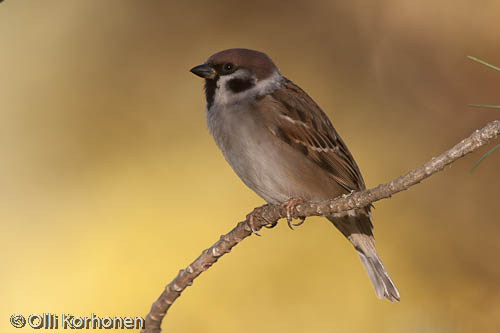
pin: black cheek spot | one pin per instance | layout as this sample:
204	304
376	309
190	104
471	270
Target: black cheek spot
239	85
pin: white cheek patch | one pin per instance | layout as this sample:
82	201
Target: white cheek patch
224	96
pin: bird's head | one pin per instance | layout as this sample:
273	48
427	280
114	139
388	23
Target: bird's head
235	75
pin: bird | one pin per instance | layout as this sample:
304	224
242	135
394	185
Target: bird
283	146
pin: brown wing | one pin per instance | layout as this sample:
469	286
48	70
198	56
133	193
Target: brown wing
299	121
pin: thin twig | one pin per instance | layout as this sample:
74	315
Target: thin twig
272	213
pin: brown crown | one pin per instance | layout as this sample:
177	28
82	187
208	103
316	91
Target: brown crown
256	61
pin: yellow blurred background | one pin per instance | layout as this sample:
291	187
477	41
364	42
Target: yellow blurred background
110	182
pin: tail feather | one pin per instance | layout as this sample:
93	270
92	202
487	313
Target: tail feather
384	287
358	230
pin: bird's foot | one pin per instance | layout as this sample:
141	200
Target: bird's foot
289	206
257	214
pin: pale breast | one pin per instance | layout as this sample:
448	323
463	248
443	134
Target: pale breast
268	166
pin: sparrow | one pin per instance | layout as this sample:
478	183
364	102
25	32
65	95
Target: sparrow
284	147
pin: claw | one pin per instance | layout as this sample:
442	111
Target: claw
302	220
271	225
256	233
251	221
289	218
289	206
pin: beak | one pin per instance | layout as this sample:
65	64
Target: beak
205	71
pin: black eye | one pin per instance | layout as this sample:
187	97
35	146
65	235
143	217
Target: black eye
228	68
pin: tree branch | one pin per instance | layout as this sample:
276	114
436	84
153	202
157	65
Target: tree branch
267	214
